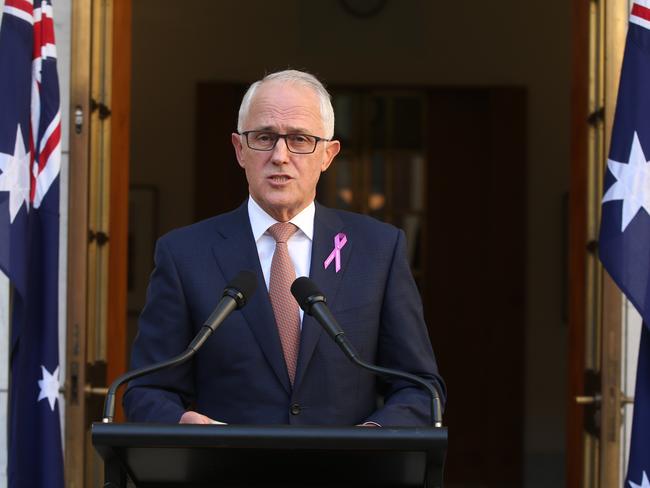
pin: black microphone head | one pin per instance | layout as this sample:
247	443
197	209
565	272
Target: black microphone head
241	287
306	293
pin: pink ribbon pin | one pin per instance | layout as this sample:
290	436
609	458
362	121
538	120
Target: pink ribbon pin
339	241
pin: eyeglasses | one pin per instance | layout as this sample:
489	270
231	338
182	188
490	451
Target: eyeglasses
260	140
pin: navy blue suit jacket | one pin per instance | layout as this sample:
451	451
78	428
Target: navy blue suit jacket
239	376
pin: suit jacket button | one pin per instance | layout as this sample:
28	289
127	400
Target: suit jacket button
295	409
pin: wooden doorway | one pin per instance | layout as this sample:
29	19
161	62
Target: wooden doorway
97	244
598	410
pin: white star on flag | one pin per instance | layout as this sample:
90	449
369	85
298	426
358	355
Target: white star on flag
49	386
644	484
632	183
15	176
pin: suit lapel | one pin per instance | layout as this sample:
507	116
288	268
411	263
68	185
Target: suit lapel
235	250
326	225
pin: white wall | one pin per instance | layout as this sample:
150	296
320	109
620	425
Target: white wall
4	375
62	20
62	32
632	324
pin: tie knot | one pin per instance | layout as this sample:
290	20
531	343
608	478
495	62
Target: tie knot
282	231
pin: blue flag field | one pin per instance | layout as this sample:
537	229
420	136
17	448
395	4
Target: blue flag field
30	160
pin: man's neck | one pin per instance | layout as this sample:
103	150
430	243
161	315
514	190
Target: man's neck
260	219
281	215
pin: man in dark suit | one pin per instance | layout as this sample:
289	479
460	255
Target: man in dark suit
267	363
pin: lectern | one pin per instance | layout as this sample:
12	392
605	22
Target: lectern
230	456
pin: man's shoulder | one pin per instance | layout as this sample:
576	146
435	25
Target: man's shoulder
360	223
205	230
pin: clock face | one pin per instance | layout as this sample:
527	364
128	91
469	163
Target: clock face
363	8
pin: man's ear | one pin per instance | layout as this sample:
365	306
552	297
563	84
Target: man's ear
332	149
236	142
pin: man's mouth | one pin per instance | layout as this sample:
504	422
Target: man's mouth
279	178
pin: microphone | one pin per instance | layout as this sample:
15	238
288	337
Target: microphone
234	297
314	303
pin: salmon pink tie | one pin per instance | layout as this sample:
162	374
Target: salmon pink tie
285	307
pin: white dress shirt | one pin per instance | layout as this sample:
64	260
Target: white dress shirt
299	244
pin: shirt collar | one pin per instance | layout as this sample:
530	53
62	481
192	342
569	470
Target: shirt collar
261	221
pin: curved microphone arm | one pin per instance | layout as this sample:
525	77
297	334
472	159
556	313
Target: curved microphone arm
348	350
109	402
234	297
314	303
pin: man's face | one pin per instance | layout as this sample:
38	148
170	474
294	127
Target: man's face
281	182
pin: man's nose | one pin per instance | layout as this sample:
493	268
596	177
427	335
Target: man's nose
280	151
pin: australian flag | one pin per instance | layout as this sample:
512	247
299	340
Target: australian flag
625	226
30	160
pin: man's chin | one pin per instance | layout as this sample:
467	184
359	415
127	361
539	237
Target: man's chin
283	209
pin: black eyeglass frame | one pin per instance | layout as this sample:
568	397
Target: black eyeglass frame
283	136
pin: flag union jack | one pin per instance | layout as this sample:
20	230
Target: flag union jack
30	162
44	127
640	14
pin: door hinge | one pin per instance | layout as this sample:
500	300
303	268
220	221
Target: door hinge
104	111
596	117
100	237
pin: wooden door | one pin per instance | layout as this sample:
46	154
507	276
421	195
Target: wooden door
475	299
99	162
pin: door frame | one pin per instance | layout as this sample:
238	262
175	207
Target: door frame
595	303
77	387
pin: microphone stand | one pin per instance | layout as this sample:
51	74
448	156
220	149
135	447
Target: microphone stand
234	297
315	305
109	402
436	404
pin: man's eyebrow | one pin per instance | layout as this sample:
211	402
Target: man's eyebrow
290	130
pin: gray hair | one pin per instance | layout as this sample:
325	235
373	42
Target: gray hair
301	78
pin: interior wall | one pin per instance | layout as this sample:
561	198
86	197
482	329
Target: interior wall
413	42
